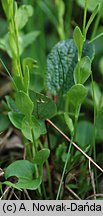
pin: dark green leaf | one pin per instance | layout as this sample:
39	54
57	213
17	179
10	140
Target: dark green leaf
45	107
61	63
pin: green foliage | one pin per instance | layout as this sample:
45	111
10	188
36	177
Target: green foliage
44	106
24	171
78	39
61	63
77	94
69	122
22	15
29	126
24	104
85	70
91	4
59	88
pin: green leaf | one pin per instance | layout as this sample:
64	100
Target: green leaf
91	4
30	125
24	171
4	122
16	119
77	94
69	122
78	39
84	134
11	104
85	70
45	107
30	63
24	103
22	15
42	156
61	63
92	18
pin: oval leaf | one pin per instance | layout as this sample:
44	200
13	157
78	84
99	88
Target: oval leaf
31	124
16	119
77	94
85	70
24	103
61	63
24	171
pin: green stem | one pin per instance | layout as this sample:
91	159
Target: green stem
64	170
49	175
34	144
94	131
85	16
97	23
69	150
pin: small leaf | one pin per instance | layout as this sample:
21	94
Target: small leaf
30	125
85	70
11	104
42	156
78	39
24	103
24	171
22	15
16	119
69	122
77	94
30	63
45	107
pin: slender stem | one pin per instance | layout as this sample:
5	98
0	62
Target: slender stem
63	173
34	144
85	16
97	22
94	130
49	175
69	150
